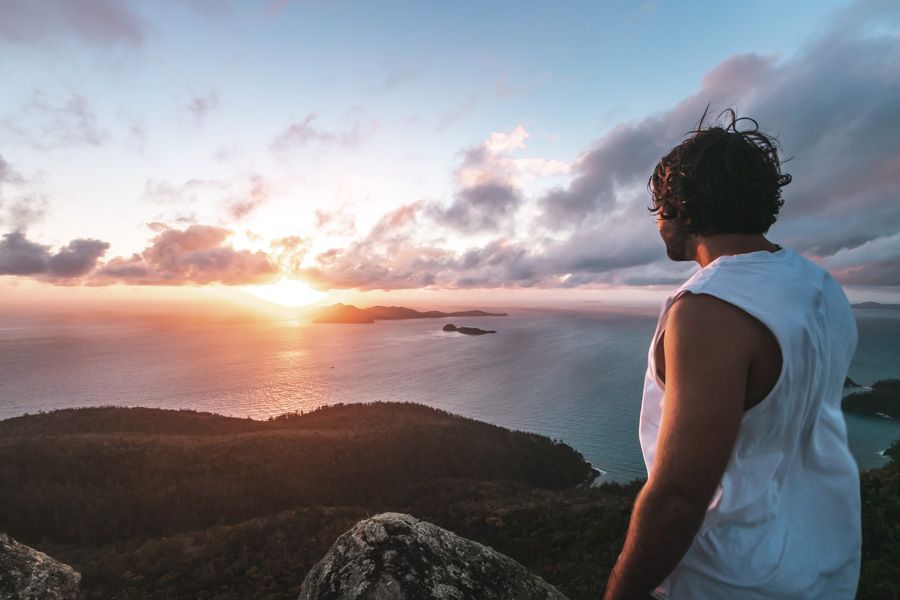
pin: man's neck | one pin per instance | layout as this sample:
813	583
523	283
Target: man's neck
710	247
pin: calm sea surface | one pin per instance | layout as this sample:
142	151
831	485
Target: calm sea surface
574	376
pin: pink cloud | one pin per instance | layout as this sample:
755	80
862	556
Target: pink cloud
21	256
198	254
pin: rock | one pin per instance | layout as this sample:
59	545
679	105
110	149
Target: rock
26	574
849	383
394	556
449	327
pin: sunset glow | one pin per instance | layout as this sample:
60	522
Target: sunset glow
443	159
287	292
269	268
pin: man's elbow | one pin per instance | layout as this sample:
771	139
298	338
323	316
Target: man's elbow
675	507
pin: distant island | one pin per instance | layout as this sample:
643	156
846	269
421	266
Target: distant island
347	313
876	305
881	399
466	330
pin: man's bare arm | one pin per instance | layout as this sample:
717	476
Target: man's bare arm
708	348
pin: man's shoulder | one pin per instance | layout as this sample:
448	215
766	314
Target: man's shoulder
695	308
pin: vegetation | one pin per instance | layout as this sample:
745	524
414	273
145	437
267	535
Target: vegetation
150	503
882	399
880	576
347	313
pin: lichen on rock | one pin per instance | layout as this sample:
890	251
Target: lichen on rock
26	574
394	556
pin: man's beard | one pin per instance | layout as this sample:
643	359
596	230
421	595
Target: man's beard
676	240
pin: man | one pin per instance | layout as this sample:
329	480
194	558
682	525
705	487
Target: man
752	491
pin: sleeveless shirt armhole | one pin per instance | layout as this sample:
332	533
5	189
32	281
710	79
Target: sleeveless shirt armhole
781	345
660	330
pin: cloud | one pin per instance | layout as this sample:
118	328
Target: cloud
386	258
832	104
840	131
20	256
8	174
187	193
338	222
100	22
396	253
841	209
488	181
397	225
391	257
884	272
76	259
482	207
872	263
49	125
621	159
257	194
304	133
235	199
26	206
201	105
26	210
594	229
198	254
290	251
493	161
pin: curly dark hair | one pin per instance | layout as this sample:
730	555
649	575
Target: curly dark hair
720	179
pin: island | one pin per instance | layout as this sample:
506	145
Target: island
881	399
466	330
347	313
876	305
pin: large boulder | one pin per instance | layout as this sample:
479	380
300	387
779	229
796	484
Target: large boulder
393	556
26	574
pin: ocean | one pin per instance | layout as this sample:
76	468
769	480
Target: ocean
573	375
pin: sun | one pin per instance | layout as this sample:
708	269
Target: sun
287	292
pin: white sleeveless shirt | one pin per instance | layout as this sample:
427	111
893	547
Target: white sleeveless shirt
784	521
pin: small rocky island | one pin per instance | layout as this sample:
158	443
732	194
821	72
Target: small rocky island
466	330
347	313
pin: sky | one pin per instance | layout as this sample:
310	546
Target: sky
421	152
